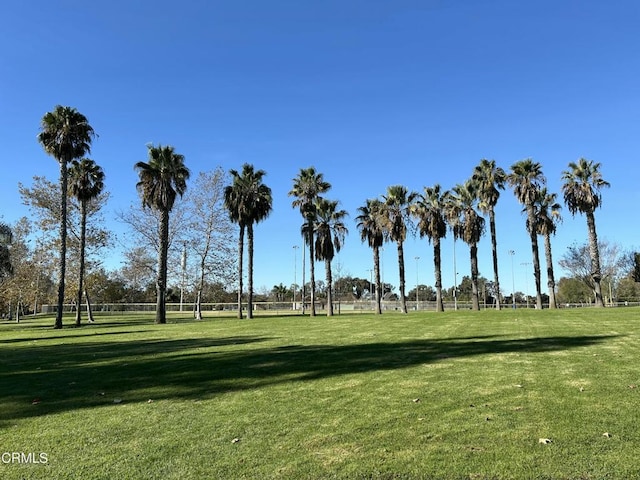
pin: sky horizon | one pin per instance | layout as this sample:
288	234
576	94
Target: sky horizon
371	94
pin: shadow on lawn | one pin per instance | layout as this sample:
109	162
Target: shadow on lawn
80	375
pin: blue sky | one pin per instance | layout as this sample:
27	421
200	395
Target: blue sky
371	93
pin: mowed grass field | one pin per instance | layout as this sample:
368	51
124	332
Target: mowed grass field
459	395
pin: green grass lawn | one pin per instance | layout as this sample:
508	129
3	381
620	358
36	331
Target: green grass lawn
459	395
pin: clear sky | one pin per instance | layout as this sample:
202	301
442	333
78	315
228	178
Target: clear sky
372	93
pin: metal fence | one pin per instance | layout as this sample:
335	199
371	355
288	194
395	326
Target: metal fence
293	308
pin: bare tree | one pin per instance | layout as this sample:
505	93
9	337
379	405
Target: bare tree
142	240
614	262
210	235
43	201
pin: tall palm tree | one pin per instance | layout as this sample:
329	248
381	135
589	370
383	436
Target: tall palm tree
87	182
397	206
429	209
249	201
307	188
490	180
234	202
527	179
581	189
330	232
468	225
371	227
162	178
547	216
65	135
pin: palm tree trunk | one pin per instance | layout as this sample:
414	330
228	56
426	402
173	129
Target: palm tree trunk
536	257
327	266
494	251
473	255
403	298
83	239
250	270
62	266
551	282
312	270
376	272
161	285
595	258
240	260
437	260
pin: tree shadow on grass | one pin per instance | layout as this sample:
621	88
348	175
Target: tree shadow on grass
82	375
65	337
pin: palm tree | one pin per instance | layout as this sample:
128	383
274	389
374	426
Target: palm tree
330	232
162	179
87	182
527	179
547	215
234	203
307	188
397	206
280	292
65	135
371	227
249	201
430	212
468	225
581	189
490	180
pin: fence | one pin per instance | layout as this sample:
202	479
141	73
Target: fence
293	308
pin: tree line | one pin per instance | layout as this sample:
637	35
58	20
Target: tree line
66	135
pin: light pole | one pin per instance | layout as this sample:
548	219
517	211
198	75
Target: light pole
513	280
382	272
526	281
455	277
184	271
303	288
371	286
417	283
295	273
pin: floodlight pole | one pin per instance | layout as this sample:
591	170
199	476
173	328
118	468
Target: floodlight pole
303	286
295	273
526	281
455	277
417	284
184	269
513	280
